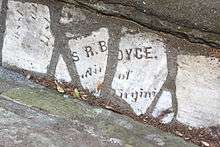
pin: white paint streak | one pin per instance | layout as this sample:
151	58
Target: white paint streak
91	68
62	73
198	90
28	42
0	4
146	75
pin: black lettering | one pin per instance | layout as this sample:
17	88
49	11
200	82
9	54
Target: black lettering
89	71
146	94
89	51
121	94
127	73
119	76
95	71
120	55
103	46
141	92
128	53
126	95
75	56
135	99
148	52
137	55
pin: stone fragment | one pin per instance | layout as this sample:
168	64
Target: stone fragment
90	56
163	108
62	73
28	41
141	70
198	90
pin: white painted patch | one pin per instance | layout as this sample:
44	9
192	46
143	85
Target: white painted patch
164	103
62	73
198	90
138	81
28	42
91	66
0	5
167	118
71	15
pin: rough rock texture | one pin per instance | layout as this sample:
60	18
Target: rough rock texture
107	48
194	20
198	90
36	116
28	32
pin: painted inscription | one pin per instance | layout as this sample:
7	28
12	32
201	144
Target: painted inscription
28	42
141	70
90	56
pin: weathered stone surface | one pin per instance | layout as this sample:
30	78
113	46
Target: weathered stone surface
120	61
53	120
28	42
75	13
194	20
163	109
90	55
198	90
141	70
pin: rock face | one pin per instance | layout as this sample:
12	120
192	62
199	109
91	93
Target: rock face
113	58
194	20
198	90
70	122
141	70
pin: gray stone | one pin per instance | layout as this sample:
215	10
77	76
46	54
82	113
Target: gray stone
194	20
0	5
198	90
163	109
28	42
141	70
92	53
42	117
115	58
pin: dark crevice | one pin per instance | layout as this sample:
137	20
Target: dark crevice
150	12
189	37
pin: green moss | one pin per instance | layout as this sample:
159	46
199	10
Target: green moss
50	101
112	125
